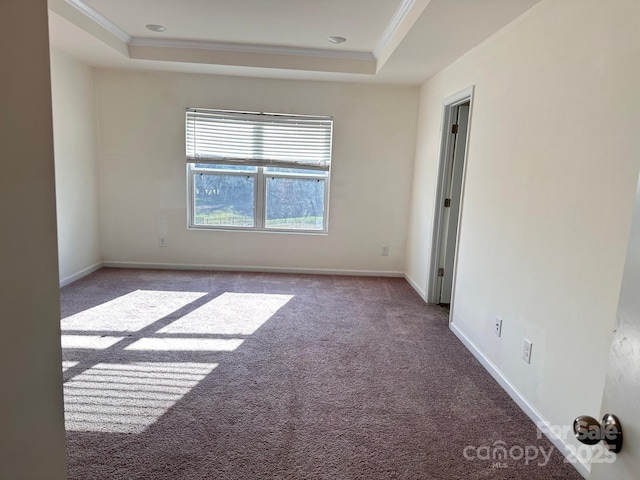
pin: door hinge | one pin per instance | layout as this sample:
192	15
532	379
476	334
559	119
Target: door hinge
447	202
441	272
454	128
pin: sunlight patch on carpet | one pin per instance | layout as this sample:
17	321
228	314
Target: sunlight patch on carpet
127	398
186	344
230	314
67	365
94	342
130	312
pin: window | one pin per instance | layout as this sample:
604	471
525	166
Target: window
255	171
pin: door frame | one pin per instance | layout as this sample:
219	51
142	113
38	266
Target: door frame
444	167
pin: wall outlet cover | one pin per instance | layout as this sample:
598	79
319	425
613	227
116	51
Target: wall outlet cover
498	327
526	350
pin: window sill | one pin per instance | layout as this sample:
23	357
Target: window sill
258	230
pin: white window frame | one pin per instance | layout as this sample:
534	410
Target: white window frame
261	176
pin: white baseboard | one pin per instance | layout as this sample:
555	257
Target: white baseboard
416	287
82	273
242	268
543	424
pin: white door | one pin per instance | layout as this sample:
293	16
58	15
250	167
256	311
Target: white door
454	193
622	389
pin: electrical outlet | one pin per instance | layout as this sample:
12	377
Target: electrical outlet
385	251
526	350
498	327
162	241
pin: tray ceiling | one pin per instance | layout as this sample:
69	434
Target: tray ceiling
393	41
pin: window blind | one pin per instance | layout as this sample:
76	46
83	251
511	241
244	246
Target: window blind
243	138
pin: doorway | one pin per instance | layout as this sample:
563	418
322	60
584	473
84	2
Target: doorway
453	152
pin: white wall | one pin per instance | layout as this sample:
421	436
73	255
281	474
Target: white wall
143	181
76	164
552	168
32	442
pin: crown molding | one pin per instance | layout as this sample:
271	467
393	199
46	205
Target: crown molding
251	48
393	26
101	20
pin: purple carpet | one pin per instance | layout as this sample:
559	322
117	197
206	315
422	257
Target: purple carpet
218	375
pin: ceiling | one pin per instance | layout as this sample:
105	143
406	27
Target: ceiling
388	41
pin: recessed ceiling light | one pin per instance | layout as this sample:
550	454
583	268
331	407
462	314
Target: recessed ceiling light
156	28
335	39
